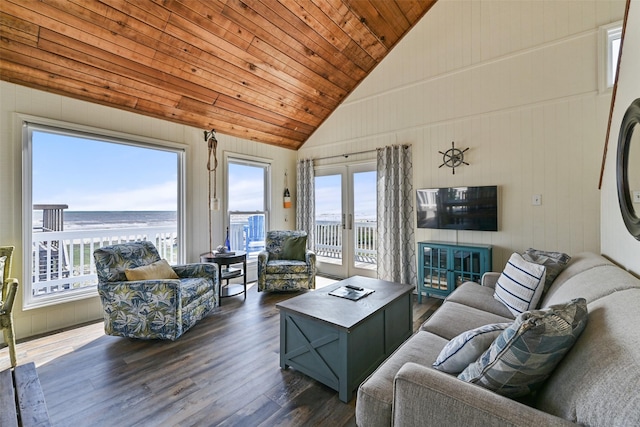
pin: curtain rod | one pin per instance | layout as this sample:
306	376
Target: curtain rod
356	153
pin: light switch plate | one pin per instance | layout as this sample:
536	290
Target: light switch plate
536	200
636	197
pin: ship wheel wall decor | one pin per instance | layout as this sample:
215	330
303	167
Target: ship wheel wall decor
453	157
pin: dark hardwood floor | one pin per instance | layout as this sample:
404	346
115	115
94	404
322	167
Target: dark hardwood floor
223	372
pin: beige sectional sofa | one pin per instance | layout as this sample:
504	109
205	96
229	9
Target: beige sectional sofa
597	383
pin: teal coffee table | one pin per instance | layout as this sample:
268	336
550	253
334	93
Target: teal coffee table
339	342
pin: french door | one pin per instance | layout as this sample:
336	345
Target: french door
346	220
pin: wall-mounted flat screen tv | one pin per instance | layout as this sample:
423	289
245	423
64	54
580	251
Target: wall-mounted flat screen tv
458	208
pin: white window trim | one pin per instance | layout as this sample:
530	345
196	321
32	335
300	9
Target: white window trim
252	161
22	123
606	63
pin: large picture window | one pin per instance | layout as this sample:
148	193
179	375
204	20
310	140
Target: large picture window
82	191
247	204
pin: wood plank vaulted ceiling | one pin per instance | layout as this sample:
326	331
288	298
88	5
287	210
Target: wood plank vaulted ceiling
265	70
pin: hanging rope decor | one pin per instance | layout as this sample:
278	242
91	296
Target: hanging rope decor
212	147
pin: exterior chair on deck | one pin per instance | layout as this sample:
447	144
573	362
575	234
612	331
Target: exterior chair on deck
161	302
254	241
8	290
286	264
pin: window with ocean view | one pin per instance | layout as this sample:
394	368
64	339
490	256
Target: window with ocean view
86	190
247	202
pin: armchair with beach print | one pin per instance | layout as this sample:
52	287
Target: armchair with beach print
143	297
286	264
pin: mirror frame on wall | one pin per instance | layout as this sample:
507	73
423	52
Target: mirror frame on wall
630	120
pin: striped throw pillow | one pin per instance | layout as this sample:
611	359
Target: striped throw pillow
520	285
467	347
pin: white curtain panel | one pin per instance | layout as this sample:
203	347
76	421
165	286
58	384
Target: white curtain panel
305	207
396	239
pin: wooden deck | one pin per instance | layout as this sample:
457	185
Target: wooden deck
224	371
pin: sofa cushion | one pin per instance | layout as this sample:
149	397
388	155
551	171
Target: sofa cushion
597	382
452	319
579	263
467	347
375	394
525	354
554	262
480	297
294	248
593	284
520	285
158	270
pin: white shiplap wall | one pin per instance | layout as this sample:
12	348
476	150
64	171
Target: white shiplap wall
516	81
19	99
617	242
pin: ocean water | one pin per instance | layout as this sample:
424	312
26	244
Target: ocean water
75	220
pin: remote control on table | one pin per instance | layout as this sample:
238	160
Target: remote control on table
355	288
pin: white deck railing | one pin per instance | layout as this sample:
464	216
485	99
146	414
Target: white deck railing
329	240
63	260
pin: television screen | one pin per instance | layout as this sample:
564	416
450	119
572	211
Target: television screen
458	208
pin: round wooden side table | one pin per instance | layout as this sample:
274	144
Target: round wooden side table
227	271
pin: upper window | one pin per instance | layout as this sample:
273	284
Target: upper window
610	40
247	204
84	191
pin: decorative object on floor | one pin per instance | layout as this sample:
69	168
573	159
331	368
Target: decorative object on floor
286	264
157	308
8	290
21	398
453	157
627	169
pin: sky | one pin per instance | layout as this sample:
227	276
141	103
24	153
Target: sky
329	190
90	175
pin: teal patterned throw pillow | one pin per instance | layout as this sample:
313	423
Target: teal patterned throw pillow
526	353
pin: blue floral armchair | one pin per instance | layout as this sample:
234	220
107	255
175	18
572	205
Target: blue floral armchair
286	264
152	309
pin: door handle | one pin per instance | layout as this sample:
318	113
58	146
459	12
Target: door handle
350	222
